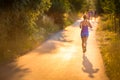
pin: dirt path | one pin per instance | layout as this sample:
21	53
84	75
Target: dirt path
59	58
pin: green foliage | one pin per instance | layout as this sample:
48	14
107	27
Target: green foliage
47	26
117	6
18	25
57	10
98	5
70	18
108	6
77	4
111	24
106	23
60	6
109	41
113	62
18	29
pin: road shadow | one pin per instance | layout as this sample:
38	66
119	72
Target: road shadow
53	43
46	47
88	67
12	71
59	36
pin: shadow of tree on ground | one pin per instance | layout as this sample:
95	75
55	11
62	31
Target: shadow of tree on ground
11	71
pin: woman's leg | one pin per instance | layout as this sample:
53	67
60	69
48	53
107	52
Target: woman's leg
83	43
85	40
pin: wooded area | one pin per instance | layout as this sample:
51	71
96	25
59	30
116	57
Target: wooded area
112	9
110	36
24	24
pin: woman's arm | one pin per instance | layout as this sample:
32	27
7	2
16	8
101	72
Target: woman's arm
89	24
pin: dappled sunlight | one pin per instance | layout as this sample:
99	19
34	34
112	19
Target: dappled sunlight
67	53
93	19
73	31
61	54
13	69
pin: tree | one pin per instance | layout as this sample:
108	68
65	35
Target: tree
17	24
57	10
77	5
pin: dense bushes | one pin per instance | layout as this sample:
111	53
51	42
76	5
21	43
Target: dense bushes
17	25
112	8
57	11
109	45
17	36
22	25
60	8
110	31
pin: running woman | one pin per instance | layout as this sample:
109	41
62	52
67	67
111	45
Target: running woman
84	32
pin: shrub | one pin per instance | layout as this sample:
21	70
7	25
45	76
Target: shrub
110	49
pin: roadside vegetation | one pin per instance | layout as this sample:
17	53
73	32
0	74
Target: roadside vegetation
109	36
110	49
25	24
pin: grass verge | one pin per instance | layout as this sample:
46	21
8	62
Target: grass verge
110	49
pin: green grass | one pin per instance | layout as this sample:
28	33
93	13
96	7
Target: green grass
110	49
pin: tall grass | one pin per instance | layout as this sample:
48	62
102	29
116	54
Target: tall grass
110	48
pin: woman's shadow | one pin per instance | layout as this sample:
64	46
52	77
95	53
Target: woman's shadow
88	67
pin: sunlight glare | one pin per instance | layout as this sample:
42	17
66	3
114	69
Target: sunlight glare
67	54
